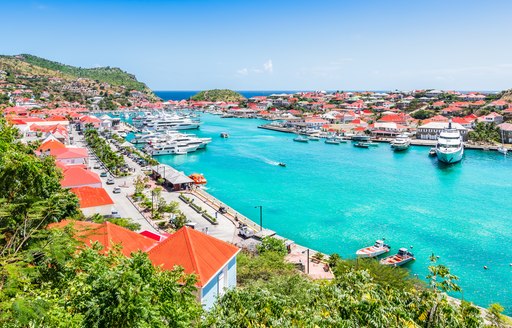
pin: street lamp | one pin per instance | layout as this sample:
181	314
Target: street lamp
307	261
152	204
261	216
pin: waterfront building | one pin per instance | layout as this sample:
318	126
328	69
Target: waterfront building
431	130
506	132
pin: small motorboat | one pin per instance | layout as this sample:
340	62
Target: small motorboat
432	152
403	256
224	135
313	138
502	150
342	139
198	178
361	144
300	139
373	144
332	141
372	251
282	164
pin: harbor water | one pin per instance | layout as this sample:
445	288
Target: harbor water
338	198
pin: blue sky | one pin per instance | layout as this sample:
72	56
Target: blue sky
274	45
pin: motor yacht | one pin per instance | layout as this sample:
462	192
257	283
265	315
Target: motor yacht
449	148
401	142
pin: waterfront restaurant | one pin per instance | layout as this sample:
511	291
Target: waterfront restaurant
173	179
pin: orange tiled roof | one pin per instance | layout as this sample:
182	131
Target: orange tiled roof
92	197
76	176
51	145
108	234
195	251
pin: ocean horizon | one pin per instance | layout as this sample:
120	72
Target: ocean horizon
186	94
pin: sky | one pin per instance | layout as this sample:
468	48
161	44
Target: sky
274	45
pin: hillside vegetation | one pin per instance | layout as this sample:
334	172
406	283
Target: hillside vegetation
111	75
218	95
507	95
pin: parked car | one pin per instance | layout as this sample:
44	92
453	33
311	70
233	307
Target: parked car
103	174
115	213
97	166
116	190
110	181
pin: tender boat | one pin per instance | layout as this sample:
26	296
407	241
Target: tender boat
198	178
332	141
403	256
372	144
502	150
432	152
224	135
282	164
361	144
313	138
377	249
401	142
449	148
341	139
300	139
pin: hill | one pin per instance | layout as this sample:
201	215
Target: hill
54	84
507	95
217	95
111	75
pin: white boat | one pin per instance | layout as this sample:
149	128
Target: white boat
341	139
360	137
301	139
377	249
401	142
332	141
313	138
449	148
502	149
403	256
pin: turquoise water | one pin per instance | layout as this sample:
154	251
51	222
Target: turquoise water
338	198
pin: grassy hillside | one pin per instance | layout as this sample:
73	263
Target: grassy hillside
111	75
218	95
507	95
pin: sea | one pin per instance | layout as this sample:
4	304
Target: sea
339	198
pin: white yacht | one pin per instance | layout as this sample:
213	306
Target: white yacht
401	142
449	148
170	148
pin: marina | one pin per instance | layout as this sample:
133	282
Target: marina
341	198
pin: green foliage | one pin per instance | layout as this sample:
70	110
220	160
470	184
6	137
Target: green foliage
271	244
252	268
485	132
179	221
334	259
101	148
422	114
494	315
111	75
217	95
122	222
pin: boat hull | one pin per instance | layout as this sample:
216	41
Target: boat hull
371	252
451	157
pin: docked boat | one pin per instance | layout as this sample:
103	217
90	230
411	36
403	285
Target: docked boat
432	151
341	139
301	139
449	148
360	137
224	135
180	151
313	138
377	249
198	178
502	150
372	144
361	144
332	141
403	256
401	142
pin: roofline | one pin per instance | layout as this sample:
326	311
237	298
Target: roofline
216	272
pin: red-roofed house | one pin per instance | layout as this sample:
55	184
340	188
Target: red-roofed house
212	260
75	177
463	121
93	200
86	120
50	144
71	156
108	235
491	118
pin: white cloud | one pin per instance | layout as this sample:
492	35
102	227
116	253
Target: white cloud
267	66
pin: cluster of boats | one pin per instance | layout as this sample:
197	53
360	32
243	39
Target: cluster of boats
162	121
402	257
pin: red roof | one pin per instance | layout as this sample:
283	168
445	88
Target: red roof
92	197
196	252
50	145
108	234
62	153
77	177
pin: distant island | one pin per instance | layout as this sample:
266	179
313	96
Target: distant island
218	95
